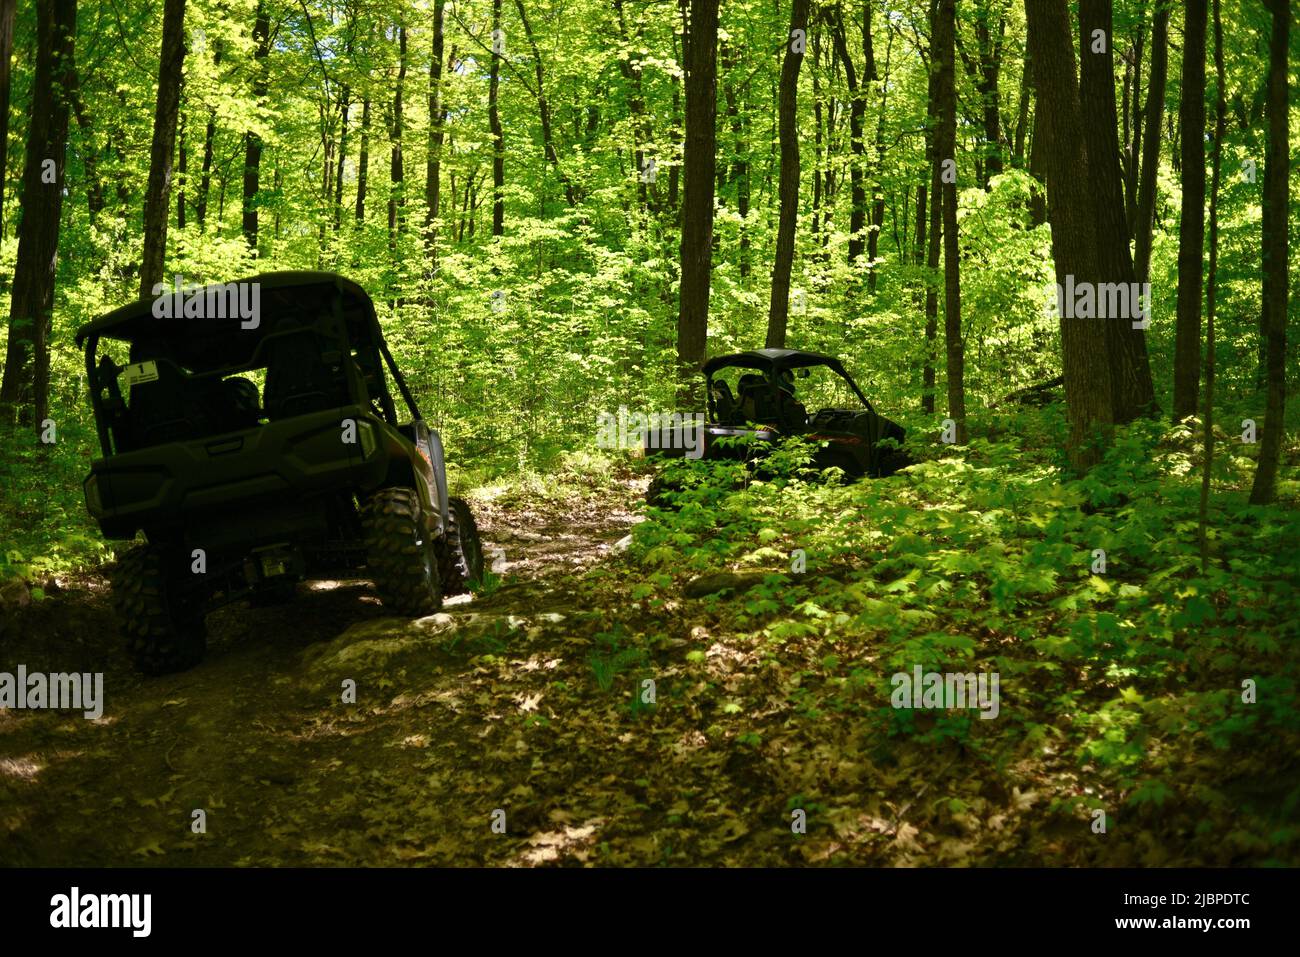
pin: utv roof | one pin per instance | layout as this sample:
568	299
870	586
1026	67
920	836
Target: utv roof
774	359
136	320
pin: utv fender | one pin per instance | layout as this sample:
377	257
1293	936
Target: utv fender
439	463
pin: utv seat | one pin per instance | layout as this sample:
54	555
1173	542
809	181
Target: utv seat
757	401
298	381
172	408
794	415
724	402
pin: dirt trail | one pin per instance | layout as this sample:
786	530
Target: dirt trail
259	739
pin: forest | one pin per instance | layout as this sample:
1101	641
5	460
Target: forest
1050	239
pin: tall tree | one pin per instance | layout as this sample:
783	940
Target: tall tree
740	155
437	119
345	107
700	56
1074	226
857	114
1150	166
990	29
544	108
788	190
205	179
157	197
26	382
253	139
1191	224
1130	375
1212	284
1276	242
878	161
396	167
7	11
363	161
935	232
946	149
494	122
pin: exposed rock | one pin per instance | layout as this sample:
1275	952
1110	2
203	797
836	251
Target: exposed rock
723	581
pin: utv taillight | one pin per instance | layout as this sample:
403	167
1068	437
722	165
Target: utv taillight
93	502
366	432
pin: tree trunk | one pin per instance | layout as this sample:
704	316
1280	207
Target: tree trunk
1037	158
946	149
632	73
1191	224
929	258
544	109
857	113
181	163
818	126
494	122
1074	227
788	189
674	173
7	10
205	183
740	162
1150	166
345	109
878	162
699	165
936	233
157	195
1133	391
1132	113
1211	286
26	382
433	163
1018	157
396	168
990	52
363	161
253	141
1276	233
94	185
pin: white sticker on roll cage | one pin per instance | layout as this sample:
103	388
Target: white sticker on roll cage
140	373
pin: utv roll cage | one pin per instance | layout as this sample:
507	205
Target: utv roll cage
772	363
317	329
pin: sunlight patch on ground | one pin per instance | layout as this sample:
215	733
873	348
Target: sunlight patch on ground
24	769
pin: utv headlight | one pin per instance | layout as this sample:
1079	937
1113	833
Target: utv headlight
94	504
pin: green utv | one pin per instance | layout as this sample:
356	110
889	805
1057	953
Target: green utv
249	430
767	394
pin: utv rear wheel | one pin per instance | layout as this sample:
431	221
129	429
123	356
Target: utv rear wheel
464	563
163	633
401	554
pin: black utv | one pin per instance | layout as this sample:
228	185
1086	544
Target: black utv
773	393
249	431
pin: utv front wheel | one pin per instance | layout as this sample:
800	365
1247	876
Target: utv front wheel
464	560
401	554
163	634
